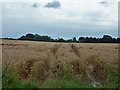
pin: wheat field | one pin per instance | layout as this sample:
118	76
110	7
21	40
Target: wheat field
37	60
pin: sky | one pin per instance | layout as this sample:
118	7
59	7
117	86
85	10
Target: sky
60	18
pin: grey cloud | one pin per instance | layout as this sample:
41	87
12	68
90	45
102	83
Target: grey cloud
35	5
105	3
54	4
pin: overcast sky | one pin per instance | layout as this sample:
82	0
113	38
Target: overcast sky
61	18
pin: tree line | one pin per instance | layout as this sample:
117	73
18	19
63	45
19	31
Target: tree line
104	39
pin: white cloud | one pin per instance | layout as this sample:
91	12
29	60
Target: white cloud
73	15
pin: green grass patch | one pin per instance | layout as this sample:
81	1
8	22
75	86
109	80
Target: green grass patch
66	83
11	80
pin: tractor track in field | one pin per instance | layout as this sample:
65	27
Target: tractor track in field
53	50
75	50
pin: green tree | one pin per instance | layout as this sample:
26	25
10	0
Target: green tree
74	39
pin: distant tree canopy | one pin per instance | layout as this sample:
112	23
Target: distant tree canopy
104	39
35	37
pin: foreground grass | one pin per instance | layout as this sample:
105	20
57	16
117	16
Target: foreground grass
63	75
66	83
111	82
11	80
